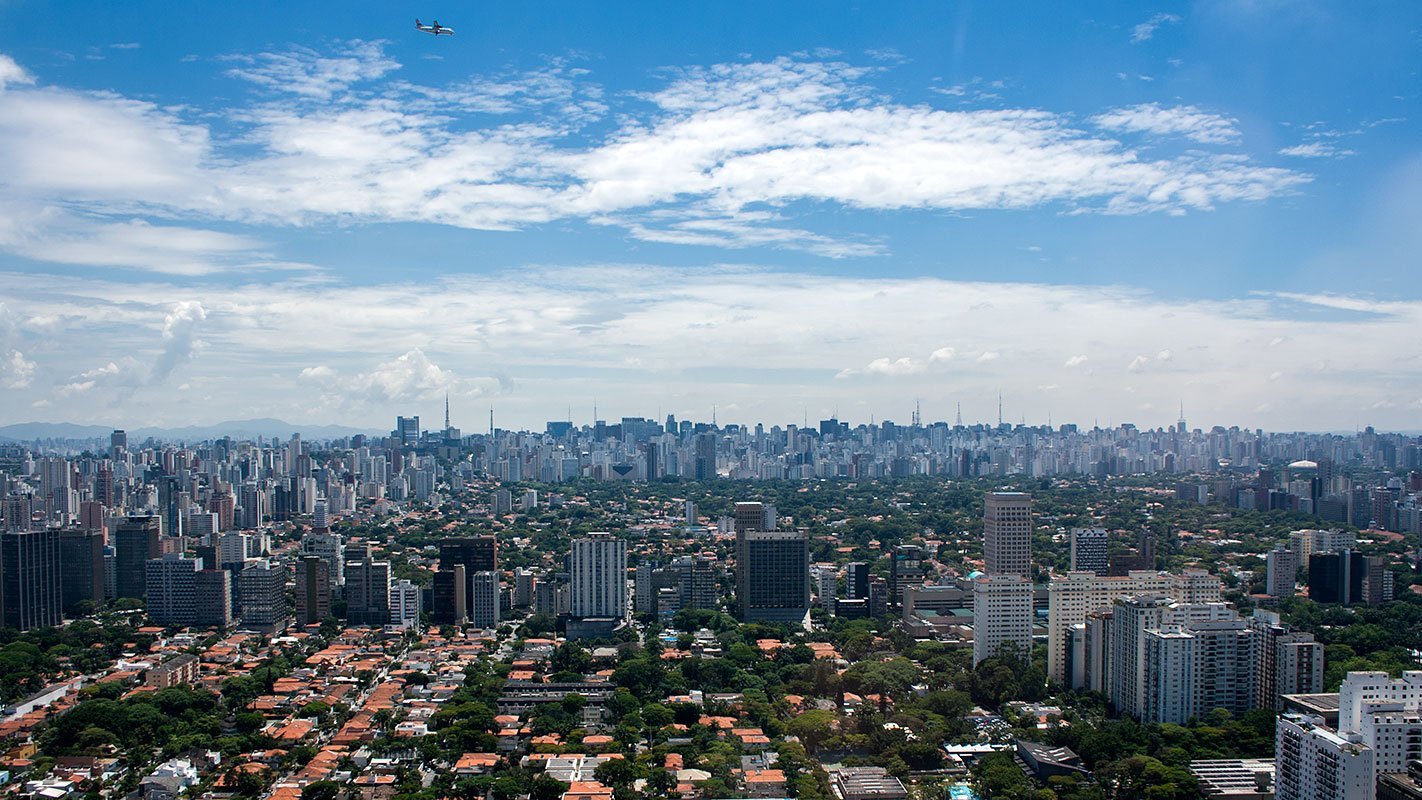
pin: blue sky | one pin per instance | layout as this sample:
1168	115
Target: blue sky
1100	210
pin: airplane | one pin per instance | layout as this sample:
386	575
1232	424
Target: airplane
435	29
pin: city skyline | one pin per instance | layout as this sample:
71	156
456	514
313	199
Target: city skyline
1098	212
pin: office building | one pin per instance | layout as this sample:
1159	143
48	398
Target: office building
407	431
213	603
367	592
262	585
313	590
598	569
171	589
450	593
30	579
773	576
1002	615
330	548
856	580
1007	534
484	602
1089	550
753	516
475	553
81	567
136	542
524	583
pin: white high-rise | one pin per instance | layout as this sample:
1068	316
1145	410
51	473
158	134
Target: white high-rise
405	604
1312	762
1075	595
1002	613
484	599
598	573
1283	571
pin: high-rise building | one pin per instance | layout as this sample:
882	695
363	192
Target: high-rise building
484	602
262	585
751	516
30	594
773	576
704	456
171	589
1089	550
474	553
136	542
1002	614
1282	571
524	583
367	592
856	580
1076	595
330	549
81	566
213	602
313	590
407	431
451	598
1386	713
1007	534
1313	762
1284	661
405	604
598	567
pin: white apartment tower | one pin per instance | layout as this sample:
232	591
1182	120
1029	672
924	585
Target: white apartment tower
1002	613
599	577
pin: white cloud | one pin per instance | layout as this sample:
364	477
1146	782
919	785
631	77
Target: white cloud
1138	363
1145	30
309	74
10	72
1315	149
318	372
16	370
1164	355
942	354
1187	121
180	340
1075	361
897	366
550	334
413	377
989	355
718	157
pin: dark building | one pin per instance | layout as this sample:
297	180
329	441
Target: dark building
81	567
704	457
856	580
213	606
773	575
1336	577
135	544
313	590
475	553
451	598
30	594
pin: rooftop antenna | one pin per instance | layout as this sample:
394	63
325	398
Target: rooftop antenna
917	412
594	410
999	409
446	410
713	415
959	423
805	422
491	419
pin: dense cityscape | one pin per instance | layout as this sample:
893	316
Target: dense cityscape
746	400
690	610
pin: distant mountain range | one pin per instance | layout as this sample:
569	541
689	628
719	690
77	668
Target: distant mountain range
237	429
